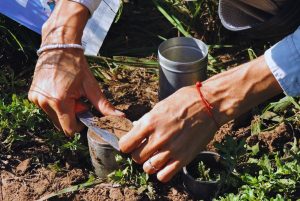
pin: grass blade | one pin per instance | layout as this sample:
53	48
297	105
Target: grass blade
172	19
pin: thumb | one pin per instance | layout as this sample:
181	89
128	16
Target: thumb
97	98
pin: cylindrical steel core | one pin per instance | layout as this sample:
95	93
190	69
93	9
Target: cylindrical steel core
102	155
183	62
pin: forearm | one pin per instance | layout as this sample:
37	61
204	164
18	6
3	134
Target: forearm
236	91
65	24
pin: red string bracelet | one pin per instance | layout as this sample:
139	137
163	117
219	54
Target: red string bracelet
207	105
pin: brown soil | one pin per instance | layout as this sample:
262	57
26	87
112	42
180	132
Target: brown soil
30	174
29	171
115	125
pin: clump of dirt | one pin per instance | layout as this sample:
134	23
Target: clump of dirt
114	124
273	140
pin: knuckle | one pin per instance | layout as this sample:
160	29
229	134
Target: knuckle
149	121
43	102
32	97
57	104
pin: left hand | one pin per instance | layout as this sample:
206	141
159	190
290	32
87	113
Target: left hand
170	135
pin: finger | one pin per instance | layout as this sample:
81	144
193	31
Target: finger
157	161
43	103
33	97
98	99
167	173
65	111
155	142
40	101
146	149
134	138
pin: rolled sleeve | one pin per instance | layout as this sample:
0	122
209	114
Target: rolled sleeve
283	60
92	5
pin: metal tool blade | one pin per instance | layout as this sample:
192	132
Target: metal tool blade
87	118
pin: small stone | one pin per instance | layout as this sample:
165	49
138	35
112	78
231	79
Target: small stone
23	166
174	191
116	194
68	166
4	162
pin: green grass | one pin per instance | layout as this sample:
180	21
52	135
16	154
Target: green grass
192	18
271	176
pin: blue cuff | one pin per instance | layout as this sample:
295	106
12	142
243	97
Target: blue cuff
283	60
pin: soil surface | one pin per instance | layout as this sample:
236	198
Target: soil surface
115	125
30	173
32	170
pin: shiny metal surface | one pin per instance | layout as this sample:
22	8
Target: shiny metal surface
183	62
87	119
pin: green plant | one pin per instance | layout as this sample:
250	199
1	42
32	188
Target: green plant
74	144
286	110
271	177
18	117
191	17
231	150
132	175
205	174
92	181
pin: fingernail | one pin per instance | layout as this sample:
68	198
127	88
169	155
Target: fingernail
119	113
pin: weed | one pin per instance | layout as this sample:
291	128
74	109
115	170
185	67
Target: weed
273	177
92	181
285	110
132	175
17	118
191	17
231	151
205	174
20	120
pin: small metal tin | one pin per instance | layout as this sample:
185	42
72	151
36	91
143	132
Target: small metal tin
102	155
183	62
202	190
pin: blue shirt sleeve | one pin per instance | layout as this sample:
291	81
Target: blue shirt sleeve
283	60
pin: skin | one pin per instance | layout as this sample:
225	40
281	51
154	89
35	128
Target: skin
63	76
178	128
175	130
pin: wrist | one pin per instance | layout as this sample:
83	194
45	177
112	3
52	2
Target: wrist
66	24
236	91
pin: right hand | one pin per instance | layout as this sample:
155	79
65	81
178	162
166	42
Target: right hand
61	77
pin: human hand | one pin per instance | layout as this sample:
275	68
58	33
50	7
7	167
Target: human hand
62	77
178	128
171	135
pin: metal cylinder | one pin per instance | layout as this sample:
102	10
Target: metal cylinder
102	155
183	62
